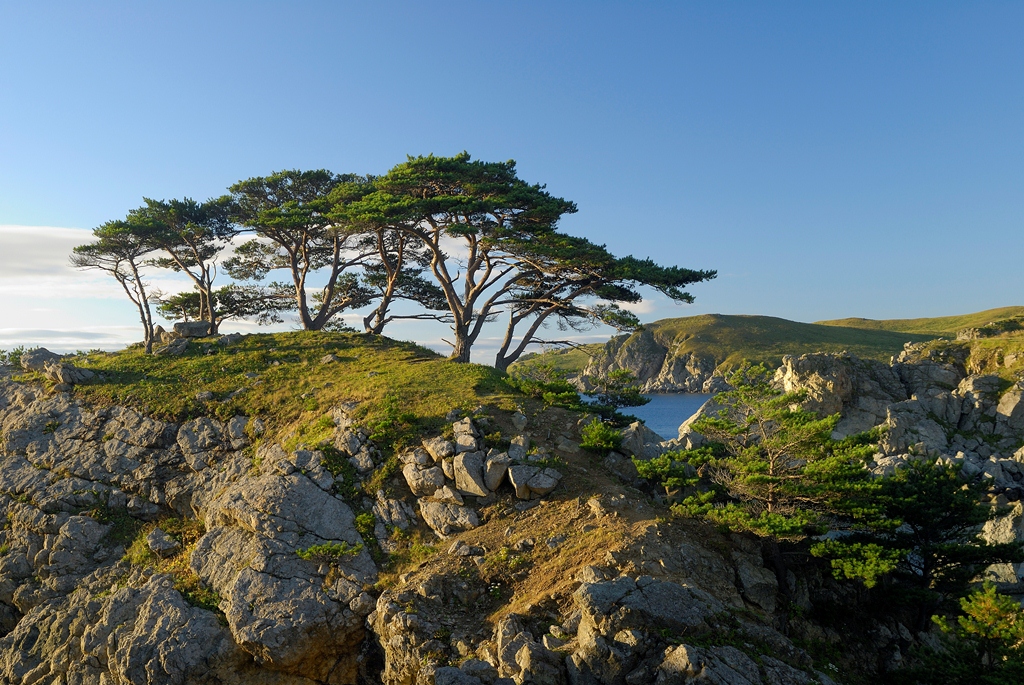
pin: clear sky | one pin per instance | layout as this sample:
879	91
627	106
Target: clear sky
828	159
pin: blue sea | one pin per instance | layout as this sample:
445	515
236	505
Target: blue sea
664	413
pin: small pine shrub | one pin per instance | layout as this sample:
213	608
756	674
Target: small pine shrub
599	437
329	552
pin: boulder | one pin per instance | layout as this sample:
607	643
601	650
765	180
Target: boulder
641	441
469	474
519	476
423	481
294	616
543	483
495	469
447	519
1010	412
448	495
192	329
465	442
439	448
726	665
615	614
757	584
517	450
464	427
418	456
62	372
35	360
175	348
162	544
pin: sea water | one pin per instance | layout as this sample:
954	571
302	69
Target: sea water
664	413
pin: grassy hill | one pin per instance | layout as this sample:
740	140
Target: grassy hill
733	339
943	326
283	378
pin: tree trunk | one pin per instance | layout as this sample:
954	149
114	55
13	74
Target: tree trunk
460	354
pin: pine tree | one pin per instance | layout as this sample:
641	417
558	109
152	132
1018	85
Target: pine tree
779	474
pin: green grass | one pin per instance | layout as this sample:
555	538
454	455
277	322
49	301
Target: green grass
295	394
565	360
943	326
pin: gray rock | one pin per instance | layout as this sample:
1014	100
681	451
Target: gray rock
465	442
229	339
517	450
192	329
1010	412
566	445
175	348
447	519
641	441
67	374
418	456
519	477
495	469
449	675
464	427
423	482
519	421
439	448
757	584
543	483
35	360
715	665
469	474
280	608
448	495
162	544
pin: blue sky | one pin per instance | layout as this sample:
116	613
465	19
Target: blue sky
828	159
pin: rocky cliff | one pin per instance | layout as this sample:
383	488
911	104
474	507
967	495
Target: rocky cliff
927	402
656	365
141	551
495	552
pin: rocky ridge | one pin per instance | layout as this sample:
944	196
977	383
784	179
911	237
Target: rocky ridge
538	562
542	582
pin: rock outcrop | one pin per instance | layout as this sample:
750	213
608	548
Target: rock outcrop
76	482
656	366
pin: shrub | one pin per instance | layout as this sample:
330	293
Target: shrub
329	552
599	437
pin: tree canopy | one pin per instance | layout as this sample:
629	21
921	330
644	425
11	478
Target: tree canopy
448	239
119	249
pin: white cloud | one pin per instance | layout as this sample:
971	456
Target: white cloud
38	250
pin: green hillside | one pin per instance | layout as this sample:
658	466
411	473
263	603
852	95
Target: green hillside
288	379
943	326
733	339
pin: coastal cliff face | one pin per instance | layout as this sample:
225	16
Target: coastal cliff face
656	366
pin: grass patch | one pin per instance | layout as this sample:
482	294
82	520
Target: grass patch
279	377
187	532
